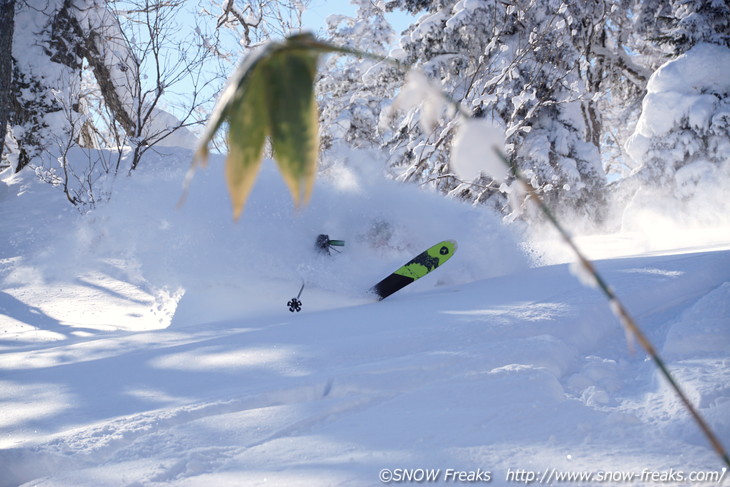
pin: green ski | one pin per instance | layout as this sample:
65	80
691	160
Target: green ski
416	268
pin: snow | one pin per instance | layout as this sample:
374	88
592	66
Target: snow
162	123
417	91
145	344
687	87
678	192
476	144
706	67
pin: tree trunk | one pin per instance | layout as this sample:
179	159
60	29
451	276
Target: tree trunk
91	45
7	20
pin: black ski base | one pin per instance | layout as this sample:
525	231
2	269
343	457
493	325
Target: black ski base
391	284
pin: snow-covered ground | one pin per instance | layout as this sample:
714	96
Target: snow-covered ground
145	344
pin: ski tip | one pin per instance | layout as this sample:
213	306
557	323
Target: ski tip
450	242
446	248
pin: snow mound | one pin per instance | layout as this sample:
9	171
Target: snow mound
702	328
197	263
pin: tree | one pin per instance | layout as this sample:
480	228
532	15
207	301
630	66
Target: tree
7	19
158	66
681	146
626	54
240	25
231	29
695	21
525	65
354	92
96	74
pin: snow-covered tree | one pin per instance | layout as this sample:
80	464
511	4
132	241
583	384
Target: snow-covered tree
353	92
524	64
682	141
61	40
34	84
7	20
626	54
681	144
696	21
93	74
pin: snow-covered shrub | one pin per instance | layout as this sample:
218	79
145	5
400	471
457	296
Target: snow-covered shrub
681	148
682	139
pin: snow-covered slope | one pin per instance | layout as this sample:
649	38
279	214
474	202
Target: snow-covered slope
147	345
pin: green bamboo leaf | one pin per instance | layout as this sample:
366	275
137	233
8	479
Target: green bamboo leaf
294	118
270	94
229	101
248	124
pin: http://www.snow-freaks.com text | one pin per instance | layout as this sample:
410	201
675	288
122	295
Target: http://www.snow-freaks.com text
548	476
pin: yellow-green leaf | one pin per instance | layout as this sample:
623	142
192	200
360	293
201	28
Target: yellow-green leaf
248	124
293	117
271	94
228	101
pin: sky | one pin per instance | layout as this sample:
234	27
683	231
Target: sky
317	11
315	21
